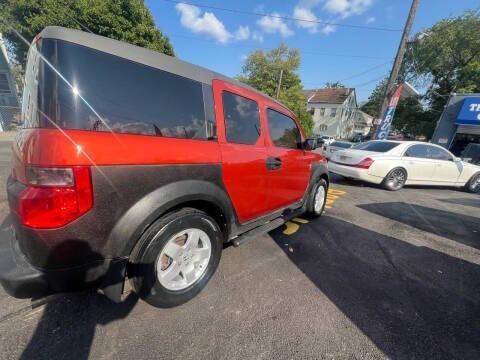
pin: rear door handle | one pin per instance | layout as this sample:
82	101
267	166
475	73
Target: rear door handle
273	163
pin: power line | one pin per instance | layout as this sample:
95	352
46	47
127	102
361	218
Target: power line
289	18
302	52
370	81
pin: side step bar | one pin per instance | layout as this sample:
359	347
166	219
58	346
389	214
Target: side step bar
263	229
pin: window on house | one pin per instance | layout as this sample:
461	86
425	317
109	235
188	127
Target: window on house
333	112
4	85
322	111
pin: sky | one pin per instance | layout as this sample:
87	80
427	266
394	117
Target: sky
357	56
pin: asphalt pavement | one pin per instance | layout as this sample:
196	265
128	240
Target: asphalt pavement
380	275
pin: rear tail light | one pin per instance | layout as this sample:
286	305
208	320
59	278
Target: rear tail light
55	196
365	163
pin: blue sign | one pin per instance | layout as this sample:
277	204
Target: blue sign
470	112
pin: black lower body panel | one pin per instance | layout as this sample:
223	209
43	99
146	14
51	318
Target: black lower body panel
21	280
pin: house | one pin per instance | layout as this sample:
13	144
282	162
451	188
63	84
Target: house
333	111
362	123
9	104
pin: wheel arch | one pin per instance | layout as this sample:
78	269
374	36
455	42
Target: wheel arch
198	194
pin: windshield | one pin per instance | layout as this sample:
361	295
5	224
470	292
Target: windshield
377	146
339	144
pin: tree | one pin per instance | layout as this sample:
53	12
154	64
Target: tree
334	85
410	115
372	106
447	56
262	69
125	20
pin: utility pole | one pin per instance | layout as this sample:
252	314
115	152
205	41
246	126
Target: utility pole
279	84
398	60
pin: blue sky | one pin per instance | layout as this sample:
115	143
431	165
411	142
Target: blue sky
220	40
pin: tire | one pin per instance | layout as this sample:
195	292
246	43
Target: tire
317	198
473	185
152	271
395	179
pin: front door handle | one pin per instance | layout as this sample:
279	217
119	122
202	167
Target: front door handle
273	163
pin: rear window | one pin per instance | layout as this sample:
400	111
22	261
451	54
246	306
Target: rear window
341	145
377	146
93	90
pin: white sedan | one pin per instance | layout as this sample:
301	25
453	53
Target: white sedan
397	163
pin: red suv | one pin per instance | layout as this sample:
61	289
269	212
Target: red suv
133	164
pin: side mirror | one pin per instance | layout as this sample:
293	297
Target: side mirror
457	159
310	144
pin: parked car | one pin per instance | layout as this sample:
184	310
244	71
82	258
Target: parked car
471	154
133	163
327	140
328	150
357	138
397	163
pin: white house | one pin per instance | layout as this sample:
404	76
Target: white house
362	123
333	111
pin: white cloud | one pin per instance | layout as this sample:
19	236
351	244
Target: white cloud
303	13
243	33
257	36
327	29
274	24
191	17
370	20
346	8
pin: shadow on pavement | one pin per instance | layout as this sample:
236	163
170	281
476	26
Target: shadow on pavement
457	227
463	201
67	326
412	302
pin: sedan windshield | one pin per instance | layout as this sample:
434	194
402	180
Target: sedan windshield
377	146
344	145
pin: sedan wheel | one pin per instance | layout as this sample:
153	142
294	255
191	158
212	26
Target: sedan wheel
395	179
473	185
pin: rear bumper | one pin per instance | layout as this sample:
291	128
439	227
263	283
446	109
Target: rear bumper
22	280
17	276
353	172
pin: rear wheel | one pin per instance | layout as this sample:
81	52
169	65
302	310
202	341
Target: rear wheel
395	179
473	185
317	198
176	257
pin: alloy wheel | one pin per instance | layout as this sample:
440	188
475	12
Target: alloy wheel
184	259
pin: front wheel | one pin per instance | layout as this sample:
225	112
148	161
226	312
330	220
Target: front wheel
395	179
317	198
473	185
176	257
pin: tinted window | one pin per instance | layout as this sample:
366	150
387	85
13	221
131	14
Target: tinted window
418	151
242	121
283	130
377	146
439	154
111	93
341	144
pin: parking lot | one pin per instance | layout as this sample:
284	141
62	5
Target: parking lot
381	274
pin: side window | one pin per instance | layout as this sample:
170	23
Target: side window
283	130
242	120
439	154
418	151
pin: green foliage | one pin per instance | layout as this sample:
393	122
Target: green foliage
261	70
334	85
372	106
448	56
125	20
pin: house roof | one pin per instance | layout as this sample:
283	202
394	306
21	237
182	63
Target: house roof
328	96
